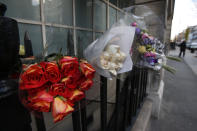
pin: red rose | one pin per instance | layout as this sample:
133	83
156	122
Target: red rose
32	77
86	84
57	89
35	90
77	95
68	59
52	72
68	65
43	64
69	82
82	79
39	101
72	79
61	109
87	69
68	92
41	106
40	96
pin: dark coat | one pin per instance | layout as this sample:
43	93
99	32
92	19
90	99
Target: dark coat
9	46
183	46
14	117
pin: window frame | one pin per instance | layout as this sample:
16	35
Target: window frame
44	24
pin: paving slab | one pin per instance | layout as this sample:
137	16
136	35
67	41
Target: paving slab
190	58
179	105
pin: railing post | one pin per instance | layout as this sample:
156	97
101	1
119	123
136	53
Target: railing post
83	114
139	87
131	92
76	118
117	107
126	101
136	85
103	97
145	83
40	122
142	86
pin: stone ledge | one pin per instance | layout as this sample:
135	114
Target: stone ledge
156	97
144	116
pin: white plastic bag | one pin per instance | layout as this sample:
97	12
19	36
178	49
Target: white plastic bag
117	35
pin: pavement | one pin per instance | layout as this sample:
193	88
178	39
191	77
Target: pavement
190	58
179	105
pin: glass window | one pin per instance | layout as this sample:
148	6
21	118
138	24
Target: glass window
99	15
113	2
84	38
83	13
121	3
57	39
97	35
25	9
34	33
58	11
112	16
126	3
120	15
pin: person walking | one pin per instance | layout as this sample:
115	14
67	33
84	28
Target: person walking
182	48
13	115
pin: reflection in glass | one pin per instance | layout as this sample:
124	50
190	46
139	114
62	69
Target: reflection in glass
99	15
57	39
34	32
58	11
35	2
121	3
84	38
112	16
97	35
83	13
23	9
120	15
125	3
113	2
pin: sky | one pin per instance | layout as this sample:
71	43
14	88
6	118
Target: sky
185	14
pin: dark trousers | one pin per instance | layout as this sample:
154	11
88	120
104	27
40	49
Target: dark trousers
13	116
182	52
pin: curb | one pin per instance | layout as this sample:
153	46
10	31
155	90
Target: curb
190	66
142	121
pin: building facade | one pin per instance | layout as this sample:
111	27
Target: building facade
192	34
160	25
71	25
49	22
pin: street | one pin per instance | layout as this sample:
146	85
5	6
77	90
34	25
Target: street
179	105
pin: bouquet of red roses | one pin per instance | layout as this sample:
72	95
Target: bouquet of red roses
55	86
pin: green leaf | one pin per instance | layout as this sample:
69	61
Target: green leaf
174	58
169	69
62	98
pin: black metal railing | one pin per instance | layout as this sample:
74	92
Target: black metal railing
129	98
130	93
